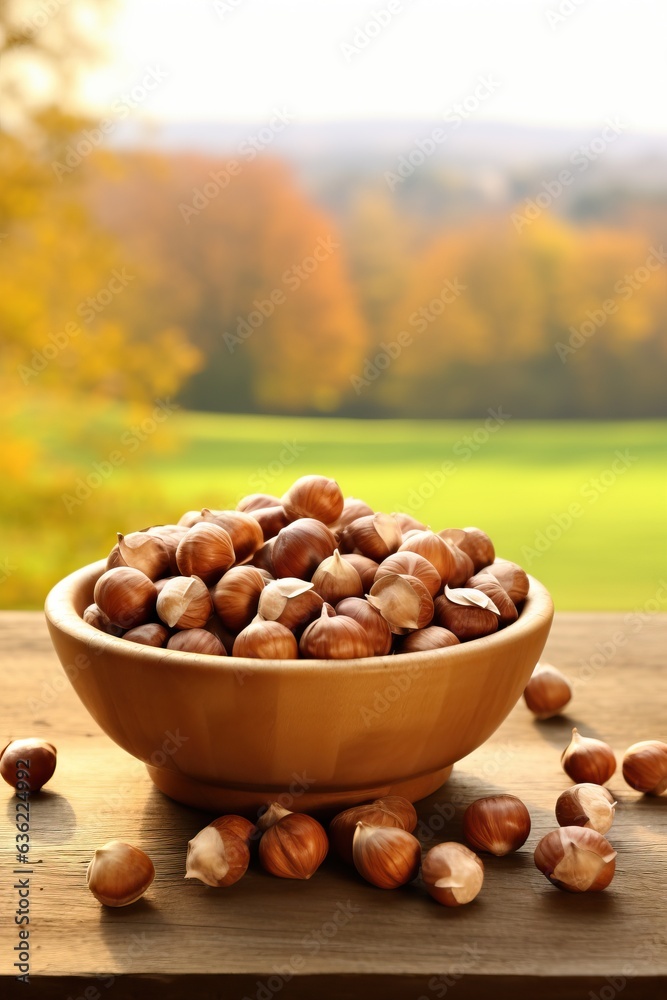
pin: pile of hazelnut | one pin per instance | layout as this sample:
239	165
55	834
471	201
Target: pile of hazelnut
577	856
377	838
311	574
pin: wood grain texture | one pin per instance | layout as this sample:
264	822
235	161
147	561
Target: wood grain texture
335	935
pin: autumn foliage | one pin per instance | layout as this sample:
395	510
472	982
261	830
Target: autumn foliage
370	310
257	276
116	305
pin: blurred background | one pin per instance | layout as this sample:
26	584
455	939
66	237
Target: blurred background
418	246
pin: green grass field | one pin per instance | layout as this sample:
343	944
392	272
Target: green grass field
580	505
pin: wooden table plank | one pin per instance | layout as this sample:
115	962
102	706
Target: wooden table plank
336	935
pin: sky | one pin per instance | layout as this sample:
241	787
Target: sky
545	62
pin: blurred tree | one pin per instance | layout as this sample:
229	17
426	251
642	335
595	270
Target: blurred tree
253	271
380	242
46	46
79	344
556	321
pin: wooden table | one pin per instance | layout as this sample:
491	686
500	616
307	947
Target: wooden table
336	935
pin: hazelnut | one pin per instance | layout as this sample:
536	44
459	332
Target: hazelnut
576	859
300	547
28	762
314	497
386	856
293	845
126	596
453	875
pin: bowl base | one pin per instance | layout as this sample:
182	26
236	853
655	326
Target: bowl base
221	800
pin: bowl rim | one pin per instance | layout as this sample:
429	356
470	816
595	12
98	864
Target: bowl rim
62	616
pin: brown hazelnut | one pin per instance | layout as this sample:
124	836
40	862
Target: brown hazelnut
386	856
243	529
547	692
294	603
28	764
645	767
197	640
403	601
431	637
206	551
453	875
150	634
433	548
488	585
144	551
352	509
588	760
314	497
477	544
95	617
408	563
300	547
375	536
337	638
266	640
466	621
576	859
393	810
293	845
365	567
371	621
511	577
257	501
271	520
184	602
126	596
236	596
335	579
499	824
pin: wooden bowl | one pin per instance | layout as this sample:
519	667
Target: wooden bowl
230	735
